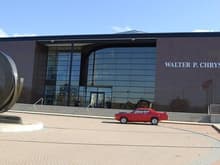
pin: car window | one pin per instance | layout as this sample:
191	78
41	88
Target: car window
140	112
137	112
145	112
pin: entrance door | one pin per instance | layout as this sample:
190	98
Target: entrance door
97	99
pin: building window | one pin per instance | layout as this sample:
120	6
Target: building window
128	71
63	72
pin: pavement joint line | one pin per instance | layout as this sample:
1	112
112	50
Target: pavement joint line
187	123
214	125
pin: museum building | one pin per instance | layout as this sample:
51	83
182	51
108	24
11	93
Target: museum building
174	71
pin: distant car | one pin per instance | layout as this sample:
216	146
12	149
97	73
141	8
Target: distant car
141	115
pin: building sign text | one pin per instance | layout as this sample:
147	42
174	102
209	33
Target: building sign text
184	64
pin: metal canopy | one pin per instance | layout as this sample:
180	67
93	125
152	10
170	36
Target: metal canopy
10	84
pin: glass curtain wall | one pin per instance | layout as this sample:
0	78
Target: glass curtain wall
128	71
63	72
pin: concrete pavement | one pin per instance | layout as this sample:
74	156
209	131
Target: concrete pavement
214	125
21	127
80	141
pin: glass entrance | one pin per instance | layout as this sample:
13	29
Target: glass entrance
97	99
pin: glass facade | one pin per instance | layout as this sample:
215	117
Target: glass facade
116	77
92	96
125	74
63	72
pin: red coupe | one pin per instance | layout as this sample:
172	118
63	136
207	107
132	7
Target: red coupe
141	115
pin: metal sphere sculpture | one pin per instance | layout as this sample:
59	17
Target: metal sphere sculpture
10	83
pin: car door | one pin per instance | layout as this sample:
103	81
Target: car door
137	116
144	116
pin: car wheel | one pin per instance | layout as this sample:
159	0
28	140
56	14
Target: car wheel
154	121
123	120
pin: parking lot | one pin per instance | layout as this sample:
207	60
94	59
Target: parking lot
86	141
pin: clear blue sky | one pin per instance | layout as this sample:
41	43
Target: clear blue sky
57	17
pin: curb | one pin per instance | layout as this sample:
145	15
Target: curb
66	115
217	127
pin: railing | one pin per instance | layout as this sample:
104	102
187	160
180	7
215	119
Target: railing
41	101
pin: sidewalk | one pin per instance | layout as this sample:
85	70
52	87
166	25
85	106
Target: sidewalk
174	116
214	125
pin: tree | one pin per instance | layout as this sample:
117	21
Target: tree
179	105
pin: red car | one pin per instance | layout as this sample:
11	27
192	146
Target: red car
141	115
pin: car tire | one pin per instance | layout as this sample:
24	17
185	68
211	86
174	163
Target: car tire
154	121
123	120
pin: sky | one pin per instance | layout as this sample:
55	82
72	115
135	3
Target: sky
70	17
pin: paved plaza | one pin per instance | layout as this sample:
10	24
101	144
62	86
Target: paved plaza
86	141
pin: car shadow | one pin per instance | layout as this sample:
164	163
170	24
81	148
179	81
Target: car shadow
132	123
